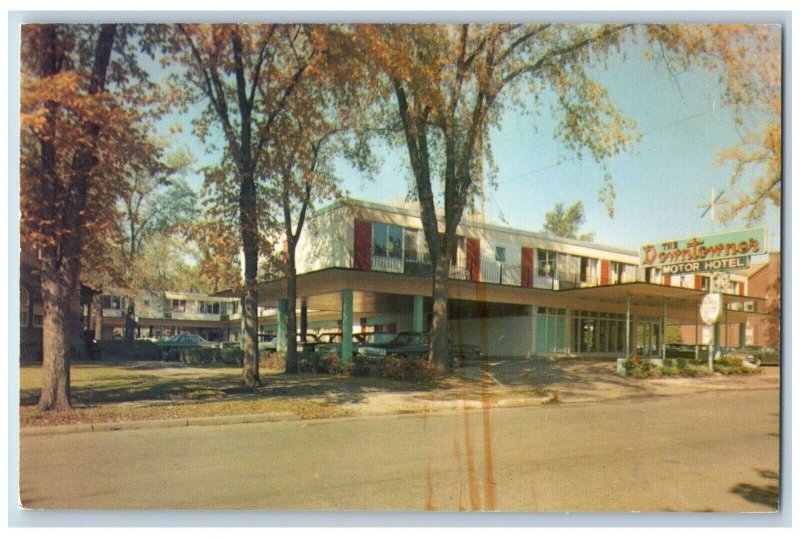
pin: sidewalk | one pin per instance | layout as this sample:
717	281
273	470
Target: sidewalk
512	383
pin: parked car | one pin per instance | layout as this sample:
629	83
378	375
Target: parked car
684	351
332	343
267	342
376	338
308	344
171	346
188	340
414	344
765	355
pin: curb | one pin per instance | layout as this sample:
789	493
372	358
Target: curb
278	416
286	416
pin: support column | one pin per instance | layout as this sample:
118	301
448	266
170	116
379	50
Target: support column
283	306
664	332
697	332
347	325
628	327
742	335
419	317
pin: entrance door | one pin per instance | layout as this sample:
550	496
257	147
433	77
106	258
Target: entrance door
648	337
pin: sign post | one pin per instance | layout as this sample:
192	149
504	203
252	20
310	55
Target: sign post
710	312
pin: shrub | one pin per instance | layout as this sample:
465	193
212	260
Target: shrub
367	366
733	364
232	356
30	351
639	367
128	350
323	364
273	361
670	367
693	368
199	355
406	369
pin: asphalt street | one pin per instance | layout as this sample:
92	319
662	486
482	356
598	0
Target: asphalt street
713	451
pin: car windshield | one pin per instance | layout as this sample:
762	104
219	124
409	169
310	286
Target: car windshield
406	338
378	338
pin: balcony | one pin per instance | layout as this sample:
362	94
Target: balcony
545	275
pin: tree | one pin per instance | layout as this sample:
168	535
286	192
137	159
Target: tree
565	223
752	58
79	132
244	75
325	121
152	205
449	85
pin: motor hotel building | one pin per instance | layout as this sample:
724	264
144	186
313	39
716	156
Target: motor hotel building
365	267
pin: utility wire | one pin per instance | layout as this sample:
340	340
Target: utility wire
571	159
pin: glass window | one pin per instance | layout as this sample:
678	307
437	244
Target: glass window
395	241
411	240
500	254
24	307
379	231
38	314
545	262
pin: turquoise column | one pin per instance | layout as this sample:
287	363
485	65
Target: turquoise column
347	325
283	306
418	319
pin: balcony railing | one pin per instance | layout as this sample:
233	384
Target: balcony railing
545	275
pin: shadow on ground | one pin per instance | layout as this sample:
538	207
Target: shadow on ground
151	381
766	494
566	377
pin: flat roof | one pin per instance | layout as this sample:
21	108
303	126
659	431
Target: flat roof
377	292
409	212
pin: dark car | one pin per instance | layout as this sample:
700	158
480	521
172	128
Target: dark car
187	340
267	342
684	351
171	347
414	344
332	343
768	356
758	355
307	344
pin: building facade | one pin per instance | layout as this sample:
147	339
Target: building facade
512	292
365	267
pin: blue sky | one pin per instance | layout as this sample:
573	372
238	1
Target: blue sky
659	183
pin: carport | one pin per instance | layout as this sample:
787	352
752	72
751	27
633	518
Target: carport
347	295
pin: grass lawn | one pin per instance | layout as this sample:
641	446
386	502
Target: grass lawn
140	390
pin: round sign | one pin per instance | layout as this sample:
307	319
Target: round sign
711	308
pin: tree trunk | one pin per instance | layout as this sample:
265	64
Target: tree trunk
248	224
130	322
291	308
439	332
56	295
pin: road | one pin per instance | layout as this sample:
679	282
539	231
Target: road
715	451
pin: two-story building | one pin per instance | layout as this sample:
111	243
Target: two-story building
165	313
366	267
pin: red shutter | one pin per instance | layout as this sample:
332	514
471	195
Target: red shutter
698	282
362	245
667	280
604	273
527	267
474	259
